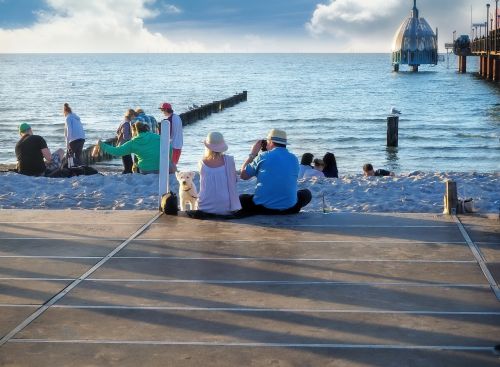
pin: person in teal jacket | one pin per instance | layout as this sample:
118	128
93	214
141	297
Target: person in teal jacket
145	145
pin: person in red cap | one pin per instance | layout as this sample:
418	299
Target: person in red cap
175	131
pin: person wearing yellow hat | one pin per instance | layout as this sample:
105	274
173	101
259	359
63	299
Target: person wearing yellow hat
33	155
276	171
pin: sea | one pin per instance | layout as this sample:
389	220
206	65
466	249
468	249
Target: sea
337	103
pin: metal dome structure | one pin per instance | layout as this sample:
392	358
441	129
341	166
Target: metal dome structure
415	43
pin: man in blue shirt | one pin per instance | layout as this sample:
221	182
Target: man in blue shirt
276	171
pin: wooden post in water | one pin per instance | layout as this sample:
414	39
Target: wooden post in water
489	67
392	131
462	64
188	117
450	198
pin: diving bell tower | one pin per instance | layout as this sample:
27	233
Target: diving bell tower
415	43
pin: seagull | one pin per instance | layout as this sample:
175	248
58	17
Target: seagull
395	111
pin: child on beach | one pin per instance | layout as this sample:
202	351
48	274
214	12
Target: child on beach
217	180
317	171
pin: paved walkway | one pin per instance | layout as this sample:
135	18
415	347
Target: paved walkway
125	288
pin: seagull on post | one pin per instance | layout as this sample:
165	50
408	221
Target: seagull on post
395	111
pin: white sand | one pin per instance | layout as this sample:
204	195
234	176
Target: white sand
415	192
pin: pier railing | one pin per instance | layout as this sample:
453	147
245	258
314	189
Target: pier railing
483	45
188	117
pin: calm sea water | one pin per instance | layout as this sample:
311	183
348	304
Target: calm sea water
336	102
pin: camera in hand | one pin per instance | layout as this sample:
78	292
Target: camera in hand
263	145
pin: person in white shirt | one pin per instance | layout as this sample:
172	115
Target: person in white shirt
218	195
305	164
176	139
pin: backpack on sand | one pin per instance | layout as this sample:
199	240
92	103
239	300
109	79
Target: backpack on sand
169	204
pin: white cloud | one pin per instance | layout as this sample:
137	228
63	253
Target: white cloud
369	25
92	26
171	9
330	18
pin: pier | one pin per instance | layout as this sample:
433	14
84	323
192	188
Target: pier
485	46
188	117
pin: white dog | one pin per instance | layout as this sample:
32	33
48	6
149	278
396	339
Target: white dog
187	190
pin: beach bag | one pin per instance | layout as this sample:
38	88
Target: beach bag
169	204
465	206
81	171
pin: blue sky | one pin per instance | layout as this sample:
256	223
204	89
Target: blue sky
219	25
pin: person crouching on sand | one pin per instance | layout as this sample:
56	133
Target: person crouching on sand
124	134
276	171
31	150
145	145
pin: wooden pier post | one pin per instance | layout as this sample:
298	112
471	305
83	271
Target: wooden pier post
392	131
462	64
489	67
450	198
496	69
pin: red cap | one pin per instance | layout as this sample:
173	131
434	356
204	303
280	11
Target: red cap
165	106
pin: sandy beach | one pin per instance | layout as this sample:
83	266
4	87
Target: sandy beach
415	192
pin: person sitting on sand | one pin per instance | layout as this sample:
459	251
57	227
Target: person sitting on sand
305	164
31	150
317	171
218	193
368	171
330	170
145	145
276	171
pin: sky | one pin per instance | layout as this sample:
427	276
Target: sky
109	26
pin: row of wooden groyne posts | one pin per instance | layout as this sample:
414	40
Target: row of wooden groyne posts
188	117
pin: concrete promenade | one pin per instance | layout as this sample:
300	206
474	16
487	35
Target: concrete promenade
130	288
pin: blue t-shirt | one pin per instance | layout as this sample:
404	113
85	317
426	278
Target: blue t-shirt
277	172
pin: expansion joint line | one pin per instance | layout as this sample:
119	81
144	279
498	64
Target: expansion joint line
66	290
479	258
